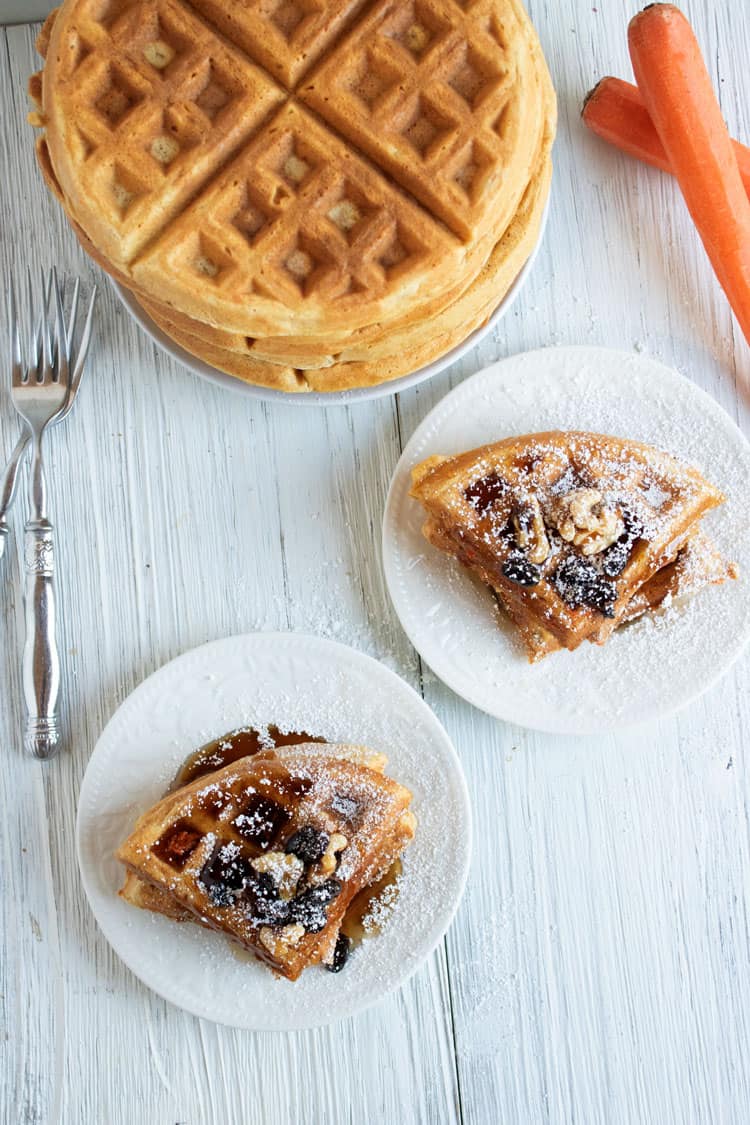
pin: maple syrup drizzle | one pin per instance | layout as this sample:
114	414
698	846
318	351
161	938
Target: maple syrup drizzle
485	492
233	746
361	905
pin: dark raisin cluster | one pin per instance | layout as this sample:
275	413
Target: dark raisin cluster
518	569
262	897
229	878
310	907
308	844
579	582
225	875
616	557
340	954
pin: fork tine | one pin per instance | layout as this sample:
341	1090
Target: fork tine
78	355
47	349
35	330
83	346
60	372
16	358
70	333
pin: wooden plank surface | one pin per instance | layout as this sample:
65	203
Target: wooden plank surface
599	968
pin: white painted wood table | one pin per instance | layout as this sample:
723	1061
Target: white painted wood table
599	968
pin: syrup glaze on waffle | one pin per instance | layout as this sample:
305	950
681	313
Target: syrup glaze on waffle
428	122
241	743
565	527
207	759
272	851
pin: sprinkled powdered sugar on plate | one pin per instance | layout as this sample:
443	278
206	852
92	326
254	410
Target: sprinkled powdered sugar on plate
298	683
646	669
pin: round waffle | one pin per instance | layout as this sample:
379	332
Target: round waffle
322	179
428	340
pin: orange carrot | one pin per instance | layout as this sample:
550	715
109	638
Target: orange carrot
677	92
614	110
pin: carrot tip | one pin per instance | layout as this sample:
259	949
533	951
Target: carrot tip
591	94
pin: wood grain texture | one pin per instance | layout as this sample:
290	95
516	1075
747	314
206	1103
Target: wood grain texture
599	969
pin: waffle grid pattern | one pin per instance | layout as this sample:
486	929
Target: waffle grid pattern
158	131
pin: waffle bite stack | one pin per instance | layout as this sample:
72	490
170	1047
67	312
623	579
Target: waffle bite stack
307	194
576	533
271	849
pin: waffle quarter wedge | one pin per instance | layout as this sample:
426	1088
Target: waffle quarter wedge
566	528
271	851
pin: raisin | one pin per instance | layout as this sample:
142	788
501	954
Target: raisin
262	898
340	954
616	558
578	582
224	874
308	844
261	820
518	569
309	908
485	492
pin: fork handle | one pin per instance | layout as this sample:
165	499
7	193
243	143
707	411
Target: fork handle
41	661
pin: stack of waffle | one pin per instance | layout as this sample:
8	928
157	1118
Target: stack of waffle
272	849
306	194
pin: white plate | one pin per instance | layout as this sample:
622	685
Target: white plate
300	683
335	398
652	667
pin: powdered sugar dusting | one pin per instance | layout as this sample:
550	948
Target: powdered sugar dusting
302	684
644	670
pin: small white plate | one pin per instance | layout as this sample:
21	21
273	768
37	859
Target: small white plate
335	398
646	670
299	683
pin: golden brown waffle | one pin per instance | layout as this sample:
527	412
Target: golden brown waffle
271	850
439	95
205	762
565	527
360	362
429	339
367	345
697	565
227	189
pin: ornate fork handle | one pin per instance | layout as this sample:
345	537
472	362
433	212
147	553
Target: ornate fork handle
41	661
9	485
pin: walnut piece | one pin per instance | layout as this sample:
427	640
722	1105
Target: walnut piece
584	520
287	935
529	531
285	870
329	862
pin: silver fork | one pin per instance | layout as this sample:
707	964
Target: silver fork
9	478
42	392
